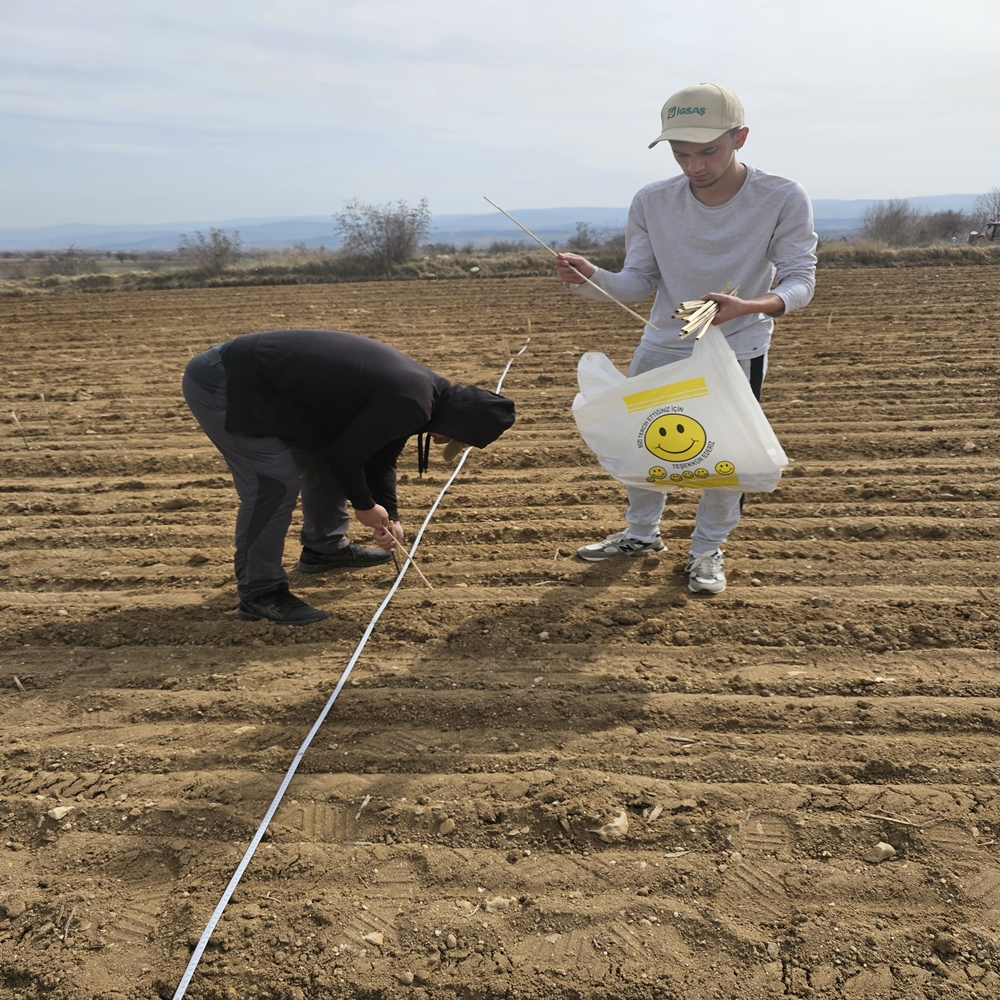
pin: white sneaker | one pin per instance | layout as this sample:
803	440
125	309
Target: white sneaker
706	574
618	544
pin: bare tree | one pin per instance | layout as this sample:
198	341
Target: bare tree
212	253
893	223
585	238
986	208
387	234
74	261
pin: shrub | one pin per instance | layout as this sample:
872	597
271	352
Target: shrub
386	234
897	224
891	223
585	238
506	246
213	253
438	249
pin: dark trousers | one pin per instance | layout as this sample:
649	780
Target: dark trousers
268	474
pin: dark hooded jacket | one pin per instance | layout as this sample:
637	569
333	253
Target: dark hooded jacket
352	400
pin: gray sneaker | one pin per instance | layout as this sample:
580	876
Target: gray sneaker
706	574
618	544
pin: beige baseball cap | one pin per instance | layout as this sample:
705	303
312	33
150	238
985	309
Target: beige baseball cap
700	114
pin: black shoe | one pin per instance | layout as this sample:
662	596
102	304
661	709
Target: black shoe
351	556
281	607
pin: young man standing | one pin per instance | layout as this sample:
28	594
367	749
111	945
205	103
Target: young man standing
719	221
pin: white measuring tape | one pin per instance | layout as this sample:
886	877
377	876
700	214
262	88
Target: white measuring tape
310	736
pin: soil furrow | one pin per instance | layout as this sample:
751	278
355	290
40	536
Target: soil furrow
740	755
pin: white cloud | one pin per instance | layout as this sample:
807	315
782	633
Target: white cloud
294	105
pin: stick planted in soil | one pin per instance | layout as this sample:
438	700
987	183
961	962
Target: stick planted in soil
45	406
414	565
17	423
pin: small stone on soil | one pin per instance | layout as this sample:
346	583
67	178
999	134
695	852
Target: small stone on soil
880	852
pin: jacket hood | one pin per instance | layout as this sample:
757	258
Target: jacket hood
471	415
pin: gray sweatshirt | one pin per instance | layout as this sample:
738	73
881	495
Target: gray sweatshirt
682	248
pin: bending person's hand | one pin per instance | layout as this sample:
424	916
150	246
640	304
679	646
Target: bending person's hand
387	534
374	517
566	262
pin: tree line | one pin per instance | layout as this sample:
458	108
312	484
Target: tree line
389	234
897	223
384	235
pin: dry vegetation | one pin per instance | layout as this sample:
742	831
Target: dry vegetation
76	271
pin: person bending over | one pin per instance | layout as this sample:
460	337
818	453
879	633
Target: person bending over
326	414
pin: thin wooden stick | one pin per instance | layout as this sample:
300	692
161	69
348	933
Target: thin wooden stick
45	406
691	742
413	564
892	819
631	312
704	329
21	429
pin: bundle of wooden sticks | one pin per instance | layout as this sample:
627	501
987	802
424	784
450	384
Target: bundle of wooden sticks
700	313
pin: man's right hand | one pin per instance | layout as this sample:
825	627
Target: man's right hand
565	264
374	517
386	535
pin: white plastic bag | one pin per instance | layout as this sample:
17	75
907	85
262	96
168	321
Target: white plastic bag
692	423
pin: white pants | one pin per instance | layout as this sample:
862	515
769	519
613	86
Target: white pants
718	510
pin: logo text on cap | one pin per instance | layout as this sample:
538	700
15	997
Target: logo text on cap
671	112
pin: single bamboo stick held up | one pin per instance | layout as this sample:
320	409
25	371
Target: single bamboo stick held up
631	312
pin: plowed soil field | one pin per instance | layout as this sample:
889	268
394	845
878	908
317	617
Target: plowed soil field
747	750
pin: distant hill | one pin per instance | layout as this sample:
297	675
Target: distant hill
834	217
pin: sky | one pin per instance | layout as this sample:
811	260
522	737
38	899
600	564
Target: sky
142	111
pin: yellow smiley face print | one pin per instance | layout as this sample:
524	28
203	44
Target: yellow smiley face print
701	473
675	437
657	472
725	468
676	477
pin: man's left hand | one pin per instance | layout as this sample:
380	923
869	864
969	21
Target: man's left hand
731	307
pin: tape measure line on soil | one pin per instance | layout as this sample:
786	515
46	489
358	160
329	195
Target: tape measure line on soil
206	935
